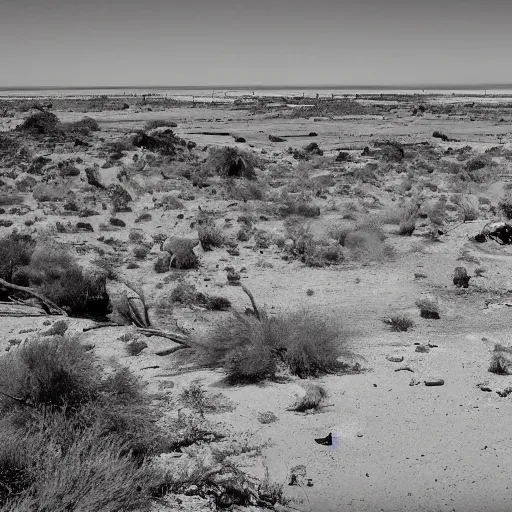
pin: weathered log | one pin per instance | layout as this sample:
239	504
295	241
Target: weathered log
48	303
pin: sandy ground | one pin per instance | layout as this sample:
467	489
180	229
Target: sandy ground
397	446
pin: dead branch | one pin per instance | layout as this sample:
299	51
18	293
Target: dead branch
169	351
177	338
22	401
101	326
48	303
253	302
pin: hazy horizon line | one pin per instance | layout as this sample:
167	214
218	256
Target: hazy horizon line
413	86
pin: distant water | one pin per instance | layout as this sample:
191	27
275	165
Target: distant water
231	93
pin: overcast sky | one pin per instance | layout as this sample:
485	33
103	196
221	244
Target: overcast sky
251	42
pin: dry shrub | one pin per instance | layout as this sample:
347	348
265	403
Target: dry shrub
245	190
232	162
367	245
468	207
399	322
312	400
45	193
182	252
53	372
159	123
187	295
505	205
54	272
41	123
429	308
210	237
10	199
92	474
501	361
15	252
251	350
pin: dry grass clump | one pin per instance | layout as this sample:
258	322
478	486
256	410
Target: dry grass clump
252	350
15	252
210	237
159	123
501	361
245	190
299	207
468	206
10	199
232	162
505	205
187	295
312	400
182	252
429	308
399	322
45	193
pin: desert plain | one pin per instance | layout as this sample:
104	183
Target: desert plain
346	211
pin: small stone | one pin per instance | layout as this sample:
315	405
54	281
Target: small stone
84	226
163	262
434	382
117	222
486	389
233	252
395	359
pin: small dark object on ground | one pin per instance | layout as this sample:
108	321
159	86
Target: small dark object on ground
117	222
500	232
239	139
434	382
273	138
461	278
325	441
84	226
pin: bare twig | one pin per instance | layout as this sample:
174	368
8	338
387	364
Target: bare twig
169	351
253	302
48	303
22	401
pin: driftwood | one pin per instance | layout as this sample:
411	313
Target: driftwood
48	303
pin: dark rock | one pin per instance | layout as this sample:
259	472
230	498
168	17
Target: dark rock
93	177
143	217
117	222
434	382
461	278
84	226
162	262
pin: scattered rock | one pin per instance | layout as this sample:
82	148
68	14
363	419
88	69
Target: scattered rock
395	359
117	222
461	278
84	226
93	177
434	382
162	262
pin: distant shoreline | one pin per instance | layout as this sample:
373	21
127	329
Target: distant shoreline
416	87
